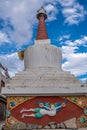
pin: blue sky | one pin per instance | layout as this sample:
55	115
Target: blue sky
66	26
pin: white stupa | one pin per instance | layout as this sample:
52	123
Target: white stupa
43	74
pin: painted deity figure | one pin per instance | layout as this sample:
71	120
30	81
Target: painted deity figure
43	109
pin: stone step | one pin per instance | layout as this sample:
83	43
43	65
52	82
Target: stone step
41	82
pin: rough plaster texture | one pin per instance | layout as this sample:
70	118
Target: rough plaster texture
42	55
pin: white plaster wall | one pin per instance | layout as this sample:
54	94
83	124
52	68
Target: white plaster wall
42	55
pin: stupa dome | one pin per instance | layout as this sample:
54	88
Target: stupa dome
42	55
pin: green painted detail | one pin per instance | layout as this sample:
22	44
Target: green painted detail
37	113
8	113
85	111
25	98
74	99
83	120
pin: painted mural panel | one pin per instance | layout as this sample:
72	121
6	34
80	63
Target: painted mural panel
43	110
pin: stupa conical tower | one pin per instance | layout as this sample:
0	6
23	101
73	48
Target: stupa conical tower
41	16
58	95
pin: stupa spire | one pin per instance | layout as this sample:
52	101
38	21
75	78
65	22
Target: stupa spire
41	16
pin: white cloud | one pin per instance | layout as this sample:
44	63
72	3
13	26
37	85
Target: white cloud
12	63
64	37
66	3
69	11
72	11
68	50
75	62
51	11
82	41
49	8
3	38
78	42
21	16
